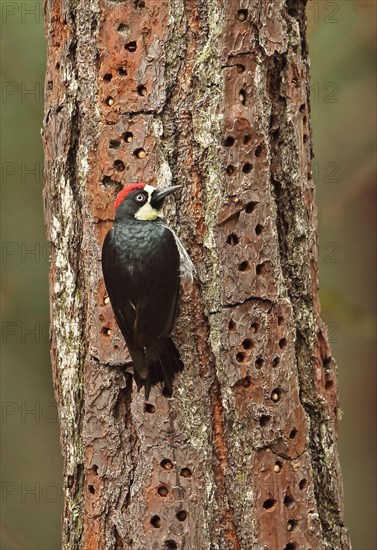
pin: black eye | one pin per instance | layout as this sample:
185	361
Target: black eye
140	198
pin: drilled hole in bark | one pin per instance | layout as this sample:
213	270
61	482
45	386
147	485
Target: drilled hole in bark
182	515
329	384
141	90
258	229
163	491
278	466
232	239
186	472
232	326
275	361
260	269
305	120
280	320
170	545
292	524
124	30
259	362
302	107
242	15
107	77
246	139
94	469
247	168
302	484
282	343
106	331
122	71
291	546
269	503
245	382
149	408
119	166
91	489
166	464
139	4
242	96
140	153
289	501
276	394
229	141
131	46
247	343
240	68
109	101
293	433
57	66
250	207
254	327
128	137
305	138
156	522
244	266
258	151
114	144
240	356
230	169
264	420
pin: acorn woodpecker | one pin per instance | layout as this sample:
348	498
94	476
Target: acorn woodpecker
143	262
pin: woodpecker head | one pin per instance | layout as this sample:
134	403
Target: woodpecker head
141	201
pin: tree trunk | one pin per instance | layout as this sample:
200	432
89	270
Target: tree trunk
212	95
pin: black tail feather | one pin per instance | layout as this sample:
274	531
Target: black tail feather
163	370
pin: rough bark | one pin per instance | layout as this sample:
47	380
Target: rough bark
213	95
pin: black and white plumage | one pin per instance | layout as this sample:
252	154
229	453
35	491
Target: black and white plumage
143	263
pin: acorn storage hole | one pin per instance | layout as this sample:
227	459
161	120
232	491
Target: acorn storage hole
258	229
247	343
156	522
242	96
114	144
166	464
232	239
250	207
240	357
232	326
131	46
264	420
278	466
289	501
269	503
276	394
109	101
182	515
119	166
275	362
107	77
139	4
140	153
291	546
244	266
247	168
302	485
122	71
185	472
163	491
128	137
302	108
259	362
260	269
91	489
124	30
254	327
293	433
141	90
292	524
170	545
240	68
229	141
282	343
230	170
258	151
149	408
246	139
242	15
244	382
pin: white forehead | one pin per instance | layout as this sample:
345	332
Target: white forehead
149	189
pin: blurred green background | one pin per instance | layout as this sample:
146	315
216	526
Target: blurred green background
342	39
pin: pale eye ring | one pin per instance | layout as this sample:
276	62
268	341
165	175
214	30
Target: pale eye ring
140	197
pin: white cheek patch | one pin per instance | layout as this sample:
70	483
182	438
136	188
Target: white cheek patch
146	212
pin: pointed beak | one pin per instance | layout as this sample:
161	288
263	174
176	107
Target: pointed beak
159	195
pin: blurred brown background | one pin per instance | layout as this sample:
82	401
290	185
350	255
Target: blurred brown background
342	39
